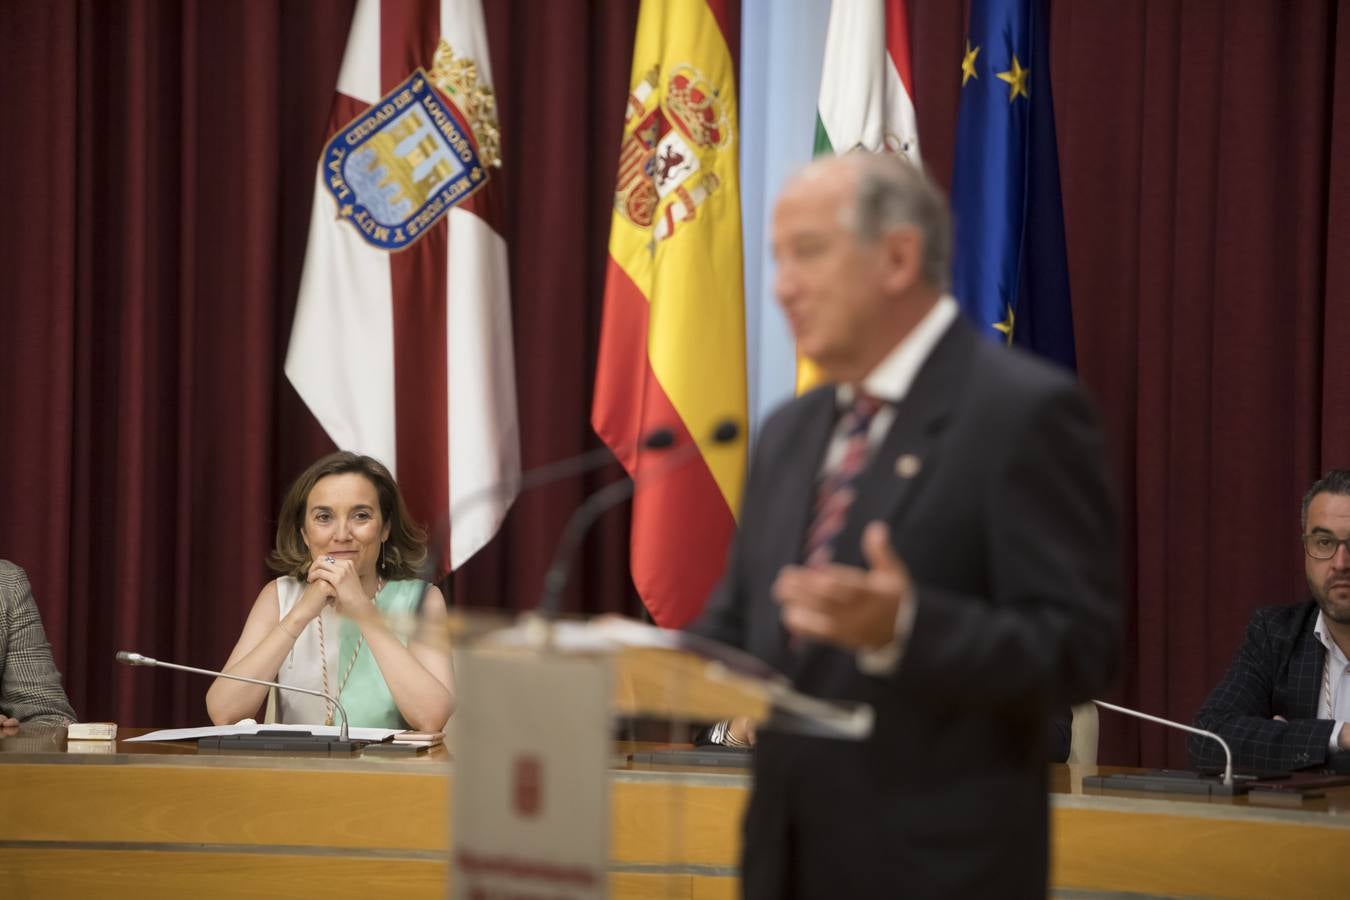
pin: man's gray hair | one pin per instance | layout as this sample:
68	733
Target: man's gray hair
892	192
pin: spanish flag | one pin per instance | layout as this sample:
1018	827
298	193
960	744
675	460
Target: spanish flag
672	343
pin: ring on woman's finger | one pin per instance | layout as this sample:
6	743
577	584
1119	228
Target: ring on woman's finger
329	560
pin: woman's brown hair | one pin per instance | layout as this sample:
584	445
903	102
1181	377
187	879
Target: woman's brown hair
401	556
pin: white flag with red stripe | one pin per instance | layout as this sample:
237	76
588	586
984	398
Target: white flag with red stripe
866	93
401	344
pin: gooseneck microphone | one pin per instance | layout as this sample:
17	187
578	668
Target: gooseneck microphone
550	604
539	476
136	659
656	439
1227	753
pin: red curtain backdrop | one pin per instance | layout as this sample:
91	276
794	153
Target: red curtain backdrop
160	171
160	158
162	191
1202	157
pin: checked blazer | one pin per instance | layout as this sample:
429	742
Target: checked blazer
30	686
1276	672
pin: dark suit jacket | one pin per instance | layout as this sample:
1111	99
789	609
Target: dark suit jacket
1010	534
1277	672
1060	735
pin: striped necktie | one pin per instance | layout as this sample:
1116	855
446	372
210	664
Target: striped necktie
838	487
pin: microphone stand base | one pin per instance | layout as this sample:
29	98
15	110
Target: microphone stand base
1165	782
285	741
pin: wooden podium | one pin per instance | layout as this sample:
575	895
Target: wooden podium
674	675
532	741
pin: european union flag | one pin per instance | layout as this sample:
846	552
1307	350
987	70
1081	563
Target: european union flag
1010	267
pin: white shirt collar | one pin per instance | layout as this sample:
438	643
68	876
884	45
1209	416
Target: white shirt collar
891	378
1334	651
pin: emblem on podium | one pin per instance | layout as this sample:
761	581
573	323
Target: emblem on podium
527	778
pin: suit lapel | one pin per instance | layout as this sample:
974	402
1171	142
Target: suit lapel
883	489
909	451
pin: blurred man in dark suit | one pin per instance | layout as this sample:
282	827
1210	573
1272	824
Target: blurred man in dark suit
932	533
1285	700
30	686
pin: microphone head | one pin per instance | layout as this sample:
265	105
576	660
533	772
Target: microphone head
659	439
133	659
726	431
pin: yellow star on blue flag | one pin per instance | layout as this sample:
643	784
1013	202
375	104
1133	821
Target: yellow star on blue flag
968	64
1016	78
1006	326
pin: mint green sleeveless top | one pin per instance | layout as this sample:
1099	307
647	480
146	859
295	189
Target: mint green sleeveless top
365	696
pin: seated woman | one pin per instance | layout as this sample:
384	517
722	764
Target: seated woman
349	557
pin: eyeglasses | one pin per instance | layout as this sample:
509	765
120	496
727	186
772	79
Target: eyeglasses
1323	546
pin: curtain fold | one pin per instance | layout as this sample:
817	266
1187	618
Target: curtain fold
141	386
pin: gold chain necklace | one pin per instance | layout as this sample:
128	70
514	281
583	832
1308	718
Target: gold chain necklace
1326	686
323	655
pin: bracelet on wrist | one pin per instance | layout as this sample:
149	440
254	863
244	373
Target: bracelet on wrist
731	740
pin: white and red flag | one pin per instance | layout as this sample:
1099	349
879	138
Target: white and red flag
866	95
401	344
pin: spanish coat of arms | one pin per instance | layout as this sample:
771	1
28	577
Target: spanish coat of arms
671	139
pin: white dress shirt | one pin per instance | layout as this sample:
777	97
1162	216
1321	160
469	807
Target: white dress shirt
1333	700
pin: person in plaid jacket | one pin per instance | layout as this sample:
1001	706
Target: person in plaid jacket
1285	700
30	686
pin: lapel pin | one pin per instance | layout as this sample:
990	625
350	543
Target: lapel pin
907	465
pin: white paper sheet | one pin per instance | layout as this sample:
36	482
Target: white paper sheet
191	734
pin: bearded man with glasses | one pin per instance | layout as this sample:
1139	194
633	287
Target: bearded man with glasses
1285	700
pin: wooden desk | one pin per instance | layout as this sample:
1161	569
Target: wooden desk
161	821
1172	845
